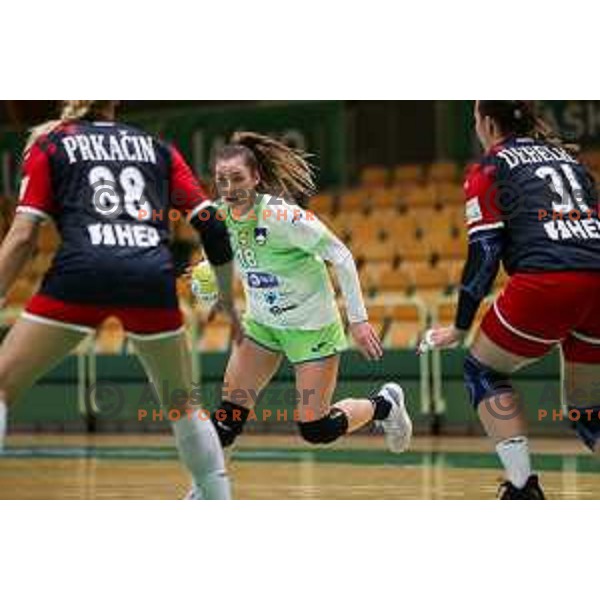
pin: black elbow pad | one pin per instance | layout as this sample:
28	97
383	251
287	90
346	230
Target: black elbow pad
213	235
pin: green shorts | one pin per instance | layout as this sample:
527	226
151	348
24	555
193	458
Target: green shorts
298	345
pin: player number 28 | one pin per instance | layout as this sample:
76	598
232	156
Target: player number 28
106	199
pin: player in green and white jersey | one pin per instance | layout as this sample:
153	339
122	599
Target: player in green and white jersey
280	252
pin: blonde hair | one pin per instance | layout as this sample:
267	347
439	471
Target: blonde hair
282	170
72	110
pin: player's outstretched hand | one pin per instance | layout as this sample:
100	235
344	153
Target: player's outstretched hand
439	338
367	340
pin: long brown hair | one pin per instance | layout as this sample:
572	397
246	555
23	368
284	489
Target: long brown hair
521	117
71	110
282	170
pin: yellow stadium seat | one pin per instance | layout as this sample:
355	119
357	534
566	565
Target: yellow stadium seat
354	200
440	241
443	171
386	219
446	313
454	247
364	232
377	250
403	335
408	174
322	204
384	198
423	195
453	269
455	214
449	194
377	312
374	176
215	337
382	276
420	217
403	313
409	248
424	276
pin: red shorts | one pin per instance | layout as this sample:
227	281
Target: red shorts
87	318
536	311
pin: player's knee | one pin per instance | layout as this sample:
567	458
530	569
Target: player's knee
229	420
483	382
587	427
325	430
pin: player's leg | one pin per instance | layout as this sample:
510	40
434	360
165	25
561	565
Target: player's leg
515	332
252	365
168	364
29	350
581	355
316	380
487	370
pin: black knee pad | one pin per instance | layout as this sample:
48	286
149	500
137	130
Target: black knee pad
587	427
325	430
229	420
483	382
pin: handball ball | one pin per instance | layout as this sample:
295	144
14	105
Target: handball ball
204	283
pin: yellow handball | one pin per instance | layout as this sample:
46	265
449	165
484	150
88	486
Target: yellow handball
204	283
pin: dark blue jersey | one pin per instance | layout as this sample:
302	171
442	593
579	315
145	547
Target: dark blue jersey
111	190
543	199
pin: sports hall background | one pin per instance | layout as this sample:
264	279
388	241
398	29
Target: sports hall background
390	180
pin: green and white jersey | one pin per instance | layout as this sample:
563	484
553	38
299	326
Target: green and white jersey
276	247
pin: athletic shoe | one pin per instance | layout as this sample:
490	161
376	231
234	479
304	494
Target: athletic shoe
397	426
531	491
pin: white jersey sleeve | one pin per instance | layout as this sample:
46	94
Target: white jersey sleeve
302	229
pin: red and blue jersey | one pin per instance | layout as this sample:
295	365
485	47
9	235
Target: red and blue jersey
543	199
110	188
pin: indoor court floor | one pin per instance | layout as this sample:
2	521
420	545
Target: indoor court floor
278	468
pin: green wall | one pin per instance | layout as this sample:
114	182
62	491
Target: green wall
53	403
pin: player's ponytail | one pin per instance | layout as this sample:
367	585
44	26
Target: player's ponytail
72	110
282	170
520	117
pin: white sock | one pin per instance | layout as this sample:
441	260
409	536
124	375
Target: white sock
514	454
3	421
200	451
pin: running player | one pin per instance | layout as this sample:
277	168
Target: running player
280	250
532	206
109	188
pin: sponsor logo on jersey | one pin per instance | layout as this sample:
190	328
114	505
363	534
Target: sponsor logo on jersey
473	211
319	346
262	280
136	236
271	297
260	235
277	310
586	229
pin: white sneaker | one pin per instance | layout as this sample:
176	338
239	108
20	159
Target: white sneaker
397	426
